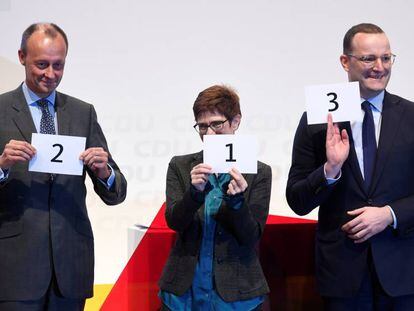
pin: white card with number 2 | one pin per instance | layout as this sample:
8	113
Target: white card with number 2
57	154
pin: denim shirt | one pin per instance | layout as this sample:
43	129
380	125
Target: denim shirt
202	294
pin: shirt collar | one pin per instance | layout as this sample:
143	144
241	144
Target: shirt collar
32	98
376	101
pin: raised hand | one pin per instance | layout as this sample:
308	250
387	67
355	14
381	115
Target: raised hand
337	148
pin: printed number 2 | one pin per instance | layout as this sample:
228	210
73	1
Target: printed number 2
230	153
333	101
55	159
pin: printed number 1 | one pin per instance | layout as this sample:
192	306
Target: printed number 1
55	159
333	101
230	153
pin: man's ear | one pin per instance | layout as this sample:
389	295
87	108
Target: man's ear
344	59
22	57
235	122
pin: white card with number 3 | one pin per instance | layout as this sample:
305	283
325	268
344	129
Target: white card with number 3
342	100
57	154
223	152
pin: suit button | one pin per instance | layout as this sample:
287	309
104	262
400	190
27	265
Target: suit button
219	232
369	202
219	260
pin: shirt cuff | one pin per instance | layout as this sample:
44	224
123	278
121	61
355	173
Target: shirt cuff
331	181
109	182
394	218
4	174
197	195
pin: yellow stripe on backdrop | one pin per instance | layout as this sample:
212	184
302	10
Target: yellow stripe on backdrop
100	292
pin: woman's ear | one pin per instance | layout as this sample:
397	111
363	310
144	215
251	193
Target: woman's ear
235	122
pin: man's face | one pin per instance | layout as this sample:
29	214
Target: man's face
374	77
210	121
44	62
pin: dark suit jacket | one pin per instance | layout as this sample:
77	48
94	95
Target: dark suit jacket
237	271
340	263
44	222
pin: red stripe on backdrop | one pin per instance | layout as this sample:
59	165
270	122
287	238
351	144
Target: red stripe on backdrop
136	287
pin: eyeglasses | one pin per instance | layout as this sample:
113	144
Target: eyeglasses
369	60
202	128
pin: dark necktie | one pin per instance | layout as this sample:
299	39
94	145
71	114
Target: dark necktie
47	124
369	143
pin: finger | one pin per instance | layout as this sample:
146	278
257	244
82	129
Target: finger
231	190
96	165
84	154
92	154
361	236
203	165
88	159
336	129
238	177
358	227
91	150
344	135
357	211
18	153
96	159
91	159
202	177
20	147
197	181
15	159
329	131
201	170
350	224
235	174
235	186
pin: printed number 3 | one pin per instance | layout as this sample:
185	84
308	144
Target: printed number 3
55	159
333	101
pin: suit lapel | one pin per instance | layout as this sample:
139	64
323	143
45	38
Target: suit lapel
63	115
198	158
22	116
392	112
352	161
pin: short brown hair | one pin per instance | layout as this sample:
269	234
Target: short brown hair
350	34
49	29
217	98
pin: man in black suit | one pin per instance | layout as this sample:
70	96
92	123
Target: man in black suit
360	175
46	241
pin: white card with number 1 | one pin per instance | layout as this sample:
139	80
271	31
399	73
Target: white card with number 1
223	152
57	154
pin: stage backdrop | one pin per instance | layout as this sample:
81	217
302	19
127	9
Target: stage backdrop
142	64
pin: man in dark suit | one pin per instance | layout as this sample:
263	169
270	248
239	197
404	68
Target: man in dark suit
360	175
46	241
